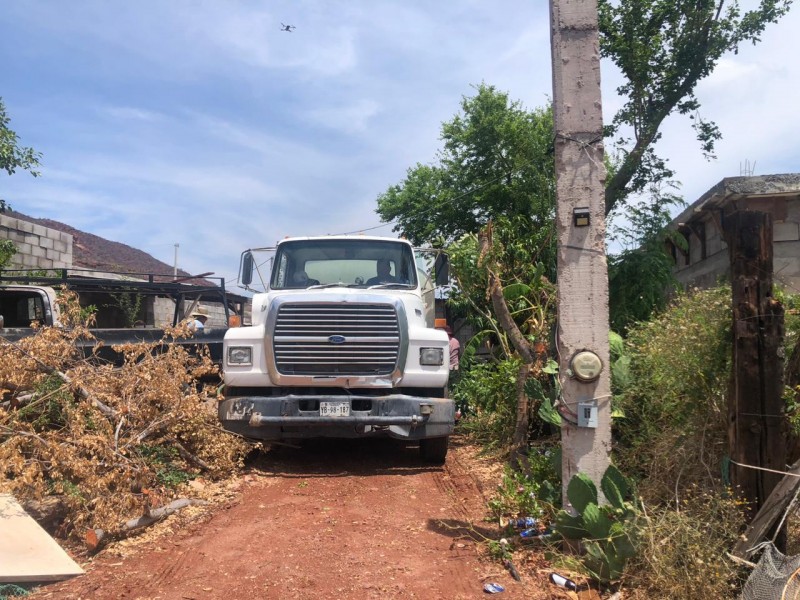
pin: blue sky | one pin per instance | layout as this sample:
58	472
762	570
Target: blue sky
200	123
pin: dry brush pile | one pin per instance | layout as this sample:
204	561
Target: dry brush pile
105	444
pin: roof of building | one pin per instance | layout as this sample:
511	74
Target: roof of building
733	188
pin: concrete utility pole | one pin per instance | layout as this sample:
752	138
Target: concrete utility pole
580	220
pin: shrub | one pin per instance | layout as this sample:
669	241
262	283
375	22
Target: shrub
489	390
536	492
675	399
682	549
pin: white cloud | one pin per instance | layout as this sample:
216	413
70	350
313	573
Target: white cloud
129	113
353	118
199	122
730	70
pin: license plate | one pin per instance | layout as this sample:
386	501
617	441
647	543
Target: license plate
334	409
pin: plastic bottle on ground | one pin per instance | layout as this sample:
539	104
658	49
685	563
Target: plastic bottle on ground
563	582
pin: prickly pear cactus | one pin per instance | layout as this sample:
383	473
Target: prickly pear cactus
607	531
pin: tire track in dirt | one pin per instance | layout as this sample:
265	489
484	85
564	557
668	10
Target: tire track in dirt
328	520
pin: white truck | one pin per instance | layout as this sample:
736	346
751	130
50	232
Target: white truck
27	297
342	344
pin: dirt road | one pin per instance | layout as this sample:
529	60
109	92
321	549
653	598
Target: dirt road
333	519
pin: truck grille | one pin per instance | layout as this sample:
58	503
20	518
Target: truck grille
336	339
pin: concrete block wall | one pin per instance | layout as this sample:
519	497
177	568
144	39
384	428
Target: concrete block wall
38	247
786	247
164	308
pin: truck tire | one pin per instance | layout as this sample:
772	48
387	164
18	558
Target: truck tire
434	450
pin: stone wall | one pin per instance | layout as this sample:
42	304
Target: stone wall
38	247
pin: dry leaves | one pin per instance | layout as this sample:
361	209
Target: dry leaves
110	442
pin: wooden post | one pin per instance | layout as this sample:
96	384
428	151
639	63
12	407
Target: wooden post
756	420
580	223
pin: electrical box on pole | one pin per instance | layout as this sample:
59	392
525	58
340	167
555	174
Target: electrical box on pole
585	403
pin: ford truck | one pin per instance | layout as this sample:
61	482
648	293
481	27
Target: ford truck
342	344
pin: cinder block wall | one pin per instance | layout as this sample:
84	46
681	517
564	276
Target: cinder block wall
164	309
706	273
38	247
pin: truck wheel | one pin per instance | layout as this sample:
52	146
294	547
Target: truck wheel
434	450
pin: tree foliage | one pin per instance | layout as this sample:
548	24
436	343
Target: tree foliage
664	48
12	155
7	251
501	281
640	277
491	196
526	270
496	162
674	405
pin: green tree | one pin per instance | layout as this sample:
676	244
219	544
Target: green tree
502	290
7	250
12	155
640	277
496	162
664	48
492	191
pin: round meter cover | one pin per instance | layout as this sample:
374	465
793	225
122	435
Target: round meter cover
586	365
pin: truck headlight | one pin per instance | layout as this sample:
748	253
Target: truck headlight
240	355
431	356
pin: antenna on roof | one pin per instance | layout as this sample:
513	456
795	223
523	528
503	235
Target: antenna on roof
747	169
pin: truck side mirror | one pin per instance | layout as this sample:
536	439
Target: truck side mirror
246	268
441	267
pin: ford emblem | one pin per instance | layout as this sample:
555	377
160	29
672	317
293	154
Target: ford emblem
337	339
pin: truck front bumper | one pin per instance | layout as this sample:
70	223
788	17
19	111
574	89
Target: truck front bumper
286	417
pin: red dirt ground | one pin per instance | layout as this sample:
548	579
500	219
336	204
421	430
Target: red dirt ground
333	519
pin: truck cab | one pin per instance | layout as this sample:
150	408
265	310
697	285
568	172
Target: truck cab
342	344
23	305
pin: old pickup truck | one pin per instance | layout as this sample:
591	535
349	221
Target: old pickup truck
129	307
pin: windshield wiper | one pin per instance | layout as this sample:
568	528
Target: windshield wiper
383	286
320	286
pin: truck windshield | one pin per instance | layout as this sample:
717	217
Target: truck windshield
347	263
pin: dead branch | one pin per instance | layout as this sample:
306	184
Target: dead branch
24	398
157	514
116	432
106	410
95	538
774	506
152	428
188	456
103	408
12	432
96	439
